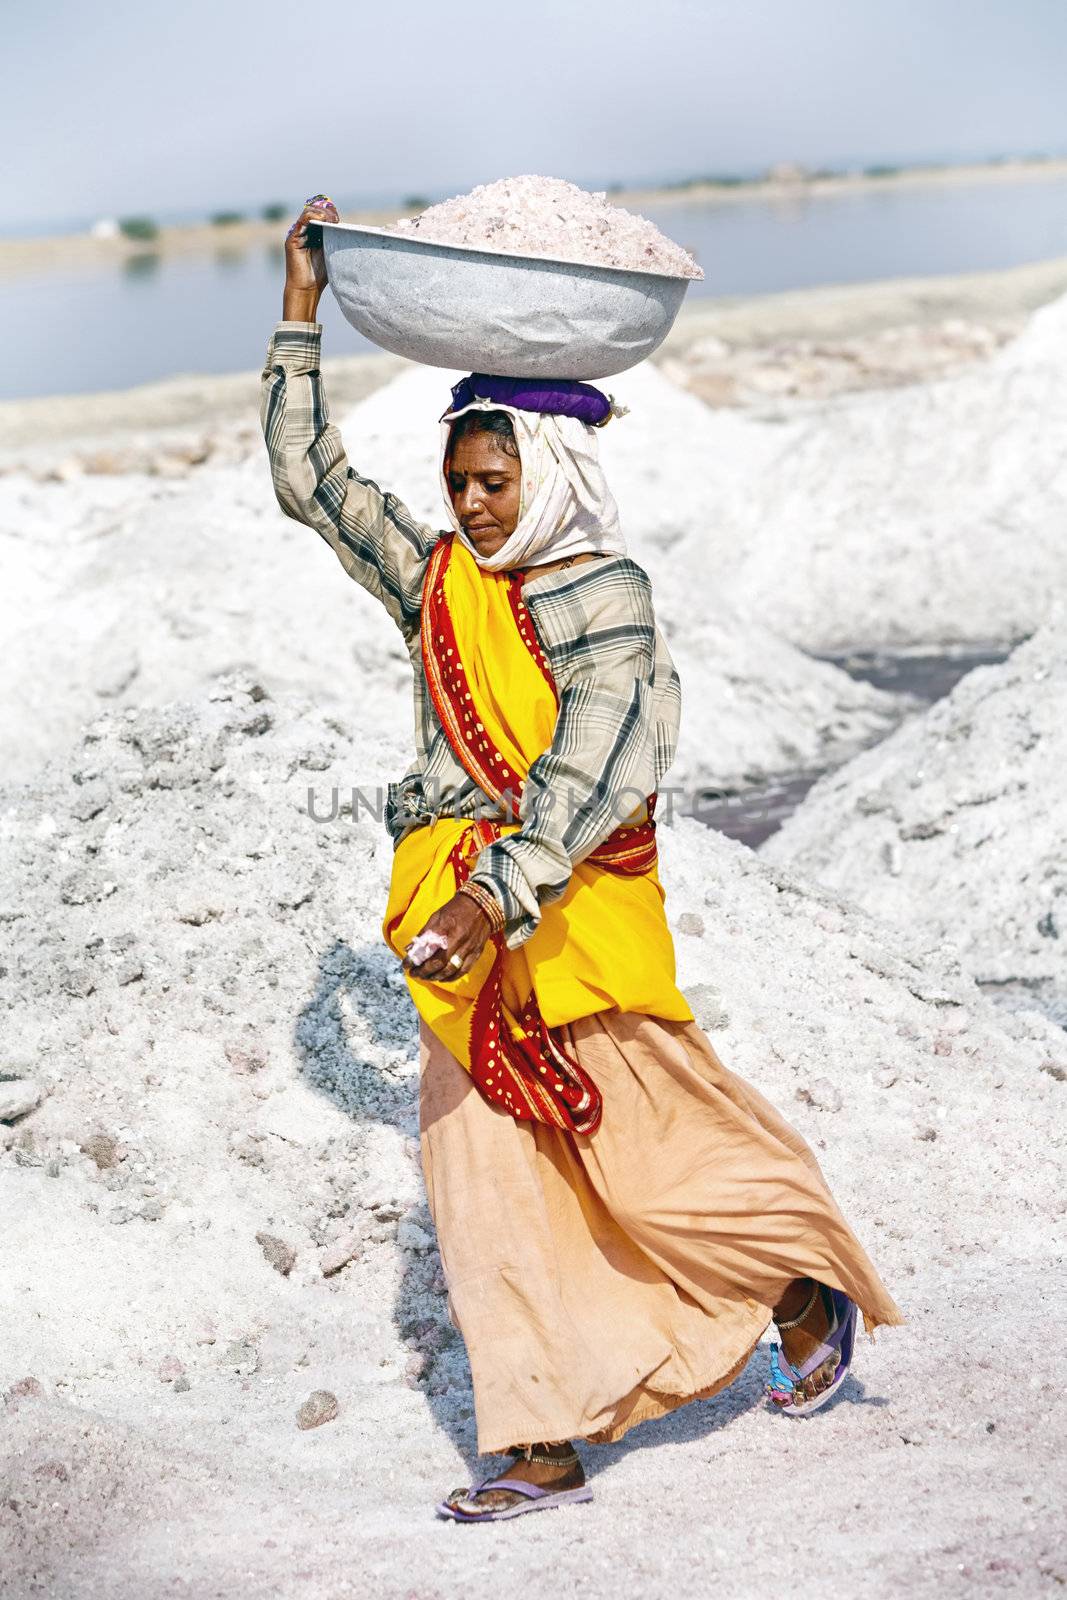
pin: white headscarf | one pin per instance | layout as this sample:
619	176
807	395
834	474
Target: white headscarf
565	507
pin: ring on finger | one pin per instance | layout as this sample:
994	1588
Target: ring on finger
455	961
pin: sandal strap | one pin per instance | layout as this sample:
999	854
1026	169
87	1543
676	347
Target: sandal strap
532	1491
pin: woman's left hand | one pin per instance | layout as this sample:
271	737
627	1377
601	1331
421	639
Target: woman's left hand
466	927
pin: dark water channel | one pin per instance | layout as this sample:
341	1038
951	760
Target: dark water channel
752	815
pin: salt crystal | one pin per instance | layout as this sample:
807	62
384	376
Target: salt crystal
424	946
532	216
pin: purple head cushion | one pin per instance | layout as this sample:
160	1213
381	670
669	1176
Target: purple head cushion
560	396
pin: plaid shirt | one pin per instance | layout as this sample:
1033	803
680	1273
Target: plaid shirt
619	692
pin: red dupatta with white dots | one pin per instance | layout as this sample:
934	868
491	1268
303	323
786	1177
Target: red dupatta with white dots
526	1070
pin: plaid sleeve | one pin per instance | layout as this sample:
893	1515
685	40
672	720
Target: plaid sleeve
599	633
374	536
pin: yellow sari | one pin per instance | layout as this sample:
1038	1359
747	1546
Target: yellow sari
605	943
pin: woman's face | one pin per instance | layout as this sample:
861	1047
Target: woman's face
484	483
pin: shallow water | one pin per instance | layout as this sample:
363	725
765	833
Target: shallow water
752	815
159	315
927	674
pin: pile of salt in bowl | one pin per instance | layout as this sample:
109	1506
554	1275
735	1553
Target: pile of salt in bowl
532	216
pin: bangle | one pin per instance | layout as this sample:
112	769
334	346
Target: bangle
486	901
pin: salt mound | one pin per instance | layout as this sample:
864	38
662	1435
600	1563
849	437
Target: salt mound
956	824
532	216
196	977
239	586
928	514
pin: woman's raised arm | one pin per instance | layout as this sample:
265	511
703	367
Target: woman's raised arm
371	532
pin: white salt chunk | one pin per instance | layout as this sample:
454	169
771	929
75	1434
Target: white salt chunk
424	946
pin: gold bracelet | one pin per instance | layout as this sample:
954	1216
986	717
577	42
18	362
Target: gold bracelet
487	902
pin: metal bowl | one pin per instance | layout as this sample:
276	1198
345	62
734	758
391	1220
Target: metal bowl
486	311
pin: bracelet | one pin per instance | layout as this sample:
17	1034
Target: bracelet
487	902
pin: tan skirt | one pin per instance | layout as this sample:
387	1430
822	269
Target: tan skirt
601	1280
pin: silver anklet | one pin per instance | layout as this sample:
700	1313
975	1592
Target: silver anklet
794	1322
528	1453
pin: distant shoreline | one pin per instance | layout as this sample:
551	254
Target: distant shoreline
783	188
72	250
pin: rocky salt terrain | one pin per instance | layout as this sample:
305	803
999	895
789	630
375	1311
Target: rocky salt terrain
956	825
217	1236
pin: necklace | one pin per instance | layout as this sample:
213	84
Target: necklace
534	572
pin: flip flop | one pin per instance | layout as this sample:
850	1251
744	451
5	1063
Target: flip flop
838	1341
538	1498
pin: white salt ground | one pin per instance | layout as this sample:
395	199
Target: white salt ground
195	977
957	824
534	216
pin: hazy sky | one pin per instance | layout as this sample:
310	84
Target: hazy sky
138	106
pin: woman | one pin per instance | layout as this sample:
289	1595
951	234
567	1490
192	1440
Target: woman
619	1216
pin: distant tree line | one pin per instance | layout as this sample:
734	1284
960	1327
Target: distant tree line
144	229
